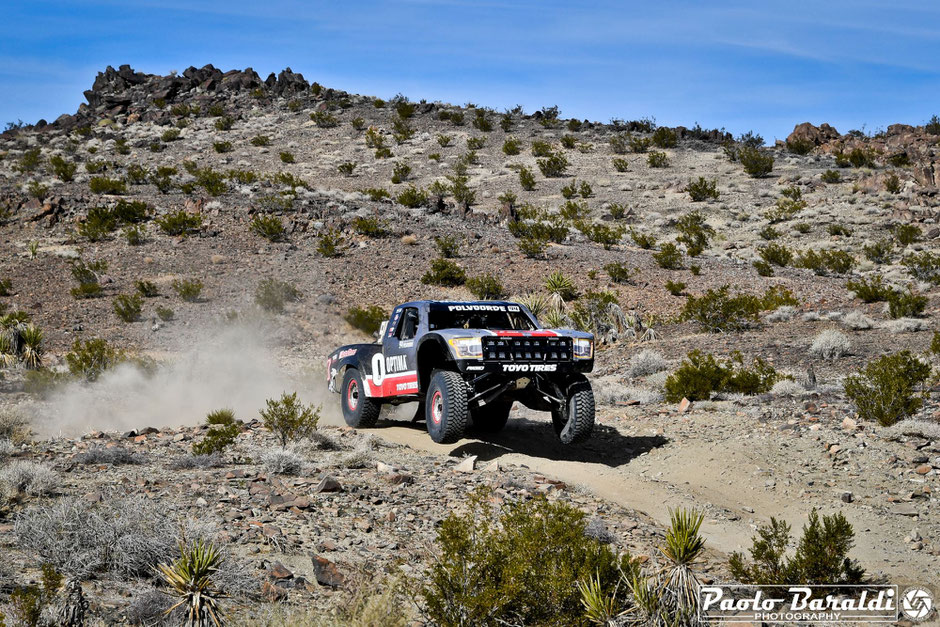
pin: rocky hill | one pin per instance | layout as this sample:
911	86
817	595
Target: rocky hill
219	229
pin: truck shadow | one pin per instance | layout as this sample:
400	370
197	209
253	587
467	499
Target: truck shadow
536	438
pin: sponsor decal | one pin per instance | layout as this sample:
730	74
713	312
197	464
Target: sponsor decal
395	363
349	352
406	343
530	367
474	367
854	604
477	308
406	386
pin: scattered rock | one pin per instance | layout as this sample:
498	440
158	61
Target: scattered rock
467	464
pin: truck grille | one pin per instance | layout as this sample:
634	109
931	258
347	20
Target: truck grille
527	349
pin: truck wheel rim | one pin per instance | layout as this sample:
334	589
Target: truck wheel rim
437	408
352	395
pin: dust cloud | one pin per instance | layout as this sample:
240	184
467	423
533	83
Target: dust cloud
234	367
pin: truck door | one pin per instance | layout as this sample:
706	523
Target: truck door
394	371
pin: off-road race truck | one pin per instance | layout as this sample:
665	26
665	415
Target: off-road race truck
465	364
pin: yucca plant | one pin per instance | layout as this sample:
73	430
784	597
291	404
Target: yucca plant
561	285
555	318
190	580
599	608
31	346
683	547
536	303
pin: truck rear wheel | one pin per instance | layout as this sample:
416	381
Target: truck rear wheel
358	409
446	409
492	417
574	422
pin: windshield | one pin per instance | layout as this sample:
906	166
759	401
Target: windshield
495	317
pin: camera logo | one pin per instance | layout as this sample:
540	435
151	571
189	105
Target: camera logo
916	604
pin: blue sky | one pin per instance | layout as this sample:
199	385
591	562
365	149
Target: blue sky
740	65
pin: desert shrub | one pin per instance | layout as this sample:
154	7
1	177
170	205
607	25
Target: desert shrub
281	461
907	234
164	313
541	149
128	307
664	137
223	430
879	252
161	178
30	161
617	210
657	160
694	232
105	185
620	164
559	284
675	287
14	427
170	135
717	311
906	304
870	290
413	197
839	229
286	157
619	272
346	168
822	555
512	146
756	162
147	289
526	179
63	169
223	147
447	245
98	223
932	127
669	256
861	157
886	388
857	321
826	261
702	189
769	233
475	143
121	536
531	247
269	227
27	478
376	194
924	266
553	166
260	141
700	375
568	141
88	359
329	243
272	294
800	146
367	319
645	363
289	418
444	272
225	123
188	289
115	456
516	564
486	287
892	183
86	275
643	240
324	119
400	172
776	254
831	176
641	144
830	344
603	234
179	222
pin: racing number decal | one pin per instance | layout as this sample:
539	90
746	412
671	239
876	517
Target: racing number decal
378	369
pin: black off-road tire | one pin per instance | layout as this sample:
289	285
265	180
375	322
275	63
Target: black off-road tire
359	410
446	409
575	421
492	417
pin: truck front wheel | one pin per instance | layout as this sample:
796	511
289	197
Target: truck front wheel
574	421
358	409
446	409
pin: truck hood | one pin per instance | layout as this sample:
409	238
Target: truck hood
452	333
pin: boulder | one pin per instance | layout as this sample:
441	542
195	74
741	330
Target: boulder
818	135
